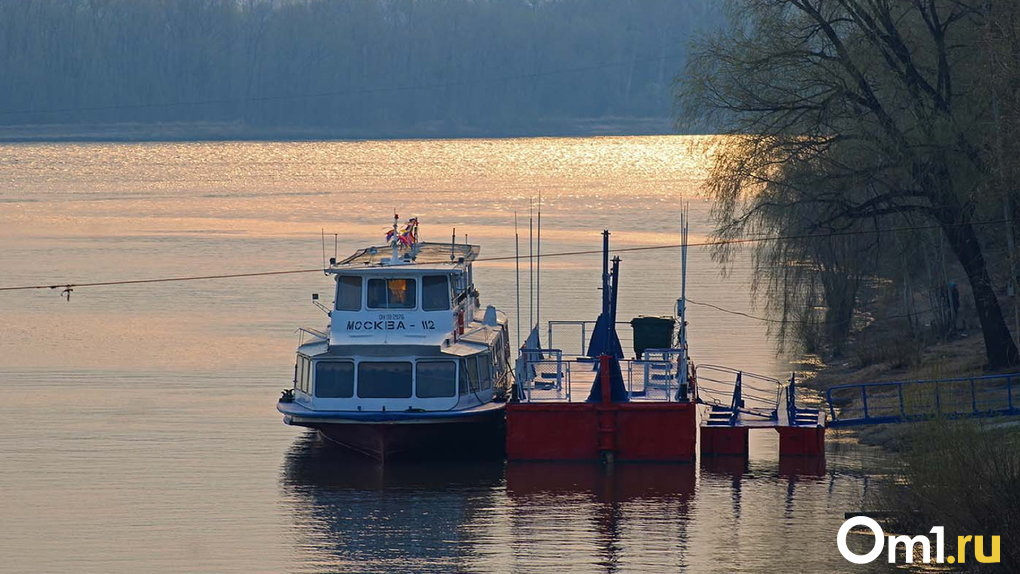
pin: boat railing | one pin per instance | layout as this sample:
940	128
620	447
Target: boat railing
315	335
579	332
551	375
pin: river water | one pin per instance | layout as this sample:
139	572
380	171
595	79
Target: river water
139	432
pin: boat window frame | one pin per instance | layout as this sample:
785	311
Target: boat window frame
447	298
338	299
470	383
456	378
301	374
354	380
413	292
306	384
358	380
484	370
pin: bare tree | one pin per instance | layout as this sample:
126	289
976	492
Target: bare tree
853	110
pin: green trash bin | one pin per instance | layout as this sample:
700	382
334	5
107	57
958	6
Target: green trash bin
652	333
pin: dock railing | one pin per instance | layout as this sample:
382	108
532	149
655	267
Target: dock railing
716	384
314	333
569	332
551	375
908	401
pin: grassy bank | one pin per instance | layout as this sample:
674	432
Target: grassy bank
960	474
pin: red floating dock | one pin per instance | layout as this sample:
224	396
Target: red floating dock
801	441
634	431
724	440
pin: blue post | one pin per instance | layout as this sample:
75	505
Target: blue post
791	400
737	400
864	400
903	410
938	400
1009	392
973	397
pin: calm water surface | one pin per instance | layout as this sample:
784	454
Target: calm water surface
139	432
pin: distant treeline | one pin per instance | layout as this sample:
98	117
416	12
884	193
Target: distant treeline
361	65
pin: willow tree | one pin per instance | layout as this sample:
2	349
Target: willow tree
852	113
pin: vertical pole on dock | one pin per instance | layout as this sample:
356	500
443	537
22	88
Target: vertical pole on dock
683	388
604	375
605	271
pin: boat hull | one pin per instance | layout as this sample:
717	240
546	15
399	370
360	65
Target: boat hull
475	433
478	439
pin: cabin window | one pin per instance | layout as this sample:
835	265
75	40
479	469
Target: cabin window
485	370
391	294
384	380
469	381
301	374
435	293
435	379
348	297
334	380
306	375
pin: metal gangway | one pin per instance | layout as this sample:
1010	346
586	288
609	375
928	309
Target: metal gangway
920	400
752	400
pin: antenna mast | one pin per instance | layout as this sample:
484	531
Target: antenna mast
681	303
517	269
531	264
538	266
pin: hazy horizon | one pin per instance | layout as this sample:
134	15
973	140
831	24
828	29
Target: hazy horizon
366	68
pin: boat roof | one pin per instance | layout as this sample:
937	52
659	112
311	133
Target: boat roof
426	253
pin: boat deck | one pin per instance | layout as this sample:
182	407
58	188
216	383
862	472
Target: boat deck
549	376
428	253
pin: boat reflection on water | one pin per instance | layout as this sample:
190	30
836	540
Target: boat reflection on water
351	513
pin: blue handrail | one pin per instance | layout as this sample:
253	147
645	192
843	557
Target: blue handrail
914	400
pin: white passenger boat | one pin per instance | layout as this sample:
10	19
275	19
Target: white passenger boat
410	363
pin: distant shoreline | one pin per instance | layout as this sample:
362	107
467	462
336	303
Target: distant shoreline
238	131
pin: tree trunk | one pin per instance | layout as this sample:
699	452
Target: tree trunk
999	346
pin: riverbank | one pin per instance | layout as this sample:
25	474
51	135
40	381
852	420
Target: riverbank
884	354
962	474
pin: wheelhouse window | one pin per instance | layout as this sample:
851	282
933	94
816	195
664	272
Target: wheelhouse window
435	379
334	379
435	293
348	296
384	380
392	294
